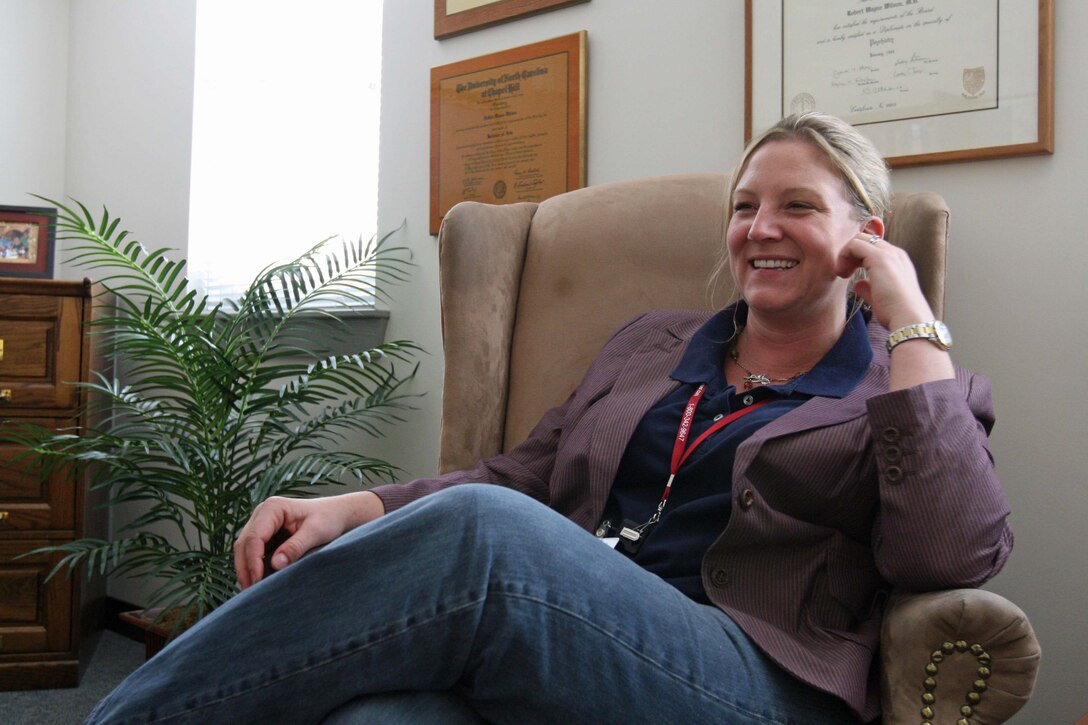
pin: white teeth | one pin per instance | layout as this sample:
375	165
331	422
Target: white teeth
773	263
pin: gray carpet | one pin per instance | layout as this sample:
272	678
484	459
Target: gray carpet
114	658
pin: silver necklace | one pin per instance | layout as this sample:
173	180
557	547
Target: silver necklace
752	379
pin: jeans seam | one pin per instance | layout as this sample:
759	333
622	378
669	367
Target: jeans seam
350	652
661	667
353	651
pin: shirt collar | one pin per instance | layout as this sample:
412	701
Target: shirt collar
834	376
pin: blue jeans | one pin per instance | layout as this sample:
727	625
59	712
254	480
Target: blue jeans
474	604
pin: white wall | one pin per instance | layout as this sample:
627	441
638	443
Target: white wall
32	126
665	96
98	107
130	102
130	114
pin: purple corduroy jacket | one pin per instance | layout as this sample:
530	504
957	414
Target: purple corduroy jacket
834	503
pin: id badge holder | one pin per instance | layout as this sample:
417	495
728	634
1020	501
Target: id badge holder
631	537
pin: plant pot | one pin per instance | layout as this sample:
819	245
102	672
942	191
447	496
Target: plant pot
157	627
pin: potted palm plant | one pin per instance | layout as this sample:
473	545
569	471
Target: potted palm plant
216	407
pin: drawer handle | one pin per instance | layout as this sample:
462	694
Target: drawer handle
5	395
1	349
4	516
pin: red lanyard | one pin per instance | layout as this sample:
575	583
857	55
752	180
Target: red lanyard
680	453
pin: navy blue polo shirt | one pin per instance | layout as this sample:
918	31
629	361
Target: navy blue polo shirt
700	502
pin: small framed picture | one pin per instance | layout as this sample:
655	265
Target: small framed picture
27	235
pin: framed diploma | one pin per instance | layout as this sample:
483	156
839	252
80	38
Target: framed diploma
509	126
452	17
928	81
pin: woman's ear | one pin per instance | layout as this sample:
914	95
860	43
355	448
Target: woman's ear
875	226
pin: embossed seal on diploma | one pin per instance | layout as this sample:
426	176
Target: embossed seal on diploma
974	82
802	103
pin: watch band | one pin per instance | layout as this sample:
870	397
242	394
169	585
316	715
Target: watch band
936	332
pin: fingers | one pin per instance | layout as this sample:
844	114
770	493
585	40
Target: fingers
847	264
856	252
292	548
248	561
249	550
270	549
891	286
863	291
281	530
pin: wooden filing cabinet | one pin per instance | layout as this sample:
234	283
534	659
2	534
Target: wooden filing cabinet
45	626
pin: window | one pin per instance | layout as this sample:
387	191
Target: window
285	132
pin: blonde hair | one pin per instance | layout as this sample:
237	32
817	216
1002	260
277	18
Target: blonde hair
862	168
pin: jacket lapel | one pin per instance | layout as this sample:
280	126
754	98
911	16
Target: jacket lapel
644	380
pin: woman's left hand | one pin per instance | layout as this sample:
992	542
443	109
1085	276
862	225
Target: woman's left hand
891	288
893	293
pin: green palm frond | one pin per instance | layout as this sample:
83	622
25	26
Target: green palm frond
97	555
217	406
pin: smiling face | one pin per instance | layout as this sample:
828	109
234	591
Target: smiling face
791	219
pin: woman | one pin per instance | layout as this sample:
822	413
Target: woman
765	474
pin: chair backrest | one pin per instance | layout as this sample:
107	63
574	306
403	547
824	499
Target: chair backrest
530	292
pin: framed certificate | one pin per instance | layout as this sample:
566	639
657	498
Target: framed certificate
928	81
453	17
509	126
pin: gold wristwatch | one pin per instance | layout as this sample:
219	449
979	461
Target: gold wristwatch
936	332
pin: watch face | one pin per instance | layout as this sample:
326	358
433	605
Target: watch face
944	335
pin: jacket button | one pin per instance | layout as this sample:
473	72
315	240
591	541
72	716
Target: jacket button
747	498
893	474
892	454
720	577
890	434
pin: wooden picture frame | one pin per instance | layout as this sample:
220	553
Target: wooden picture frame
453	17
927	82
27	239
510	126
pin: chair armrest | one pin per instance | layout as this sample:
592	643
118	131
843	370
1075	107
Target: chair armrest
954	649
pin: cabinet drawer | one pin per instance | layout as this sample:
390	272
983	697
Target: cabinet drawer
28	503
40	350
34	614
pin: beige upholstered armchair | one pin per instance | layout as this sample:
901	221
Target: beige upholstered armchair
530	293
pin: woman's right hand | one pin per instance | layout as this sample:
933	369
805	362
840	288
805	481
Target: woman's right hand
308	523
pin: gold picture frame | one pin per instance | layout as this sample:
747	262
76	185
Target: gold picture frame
863	59
453	17
510	126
